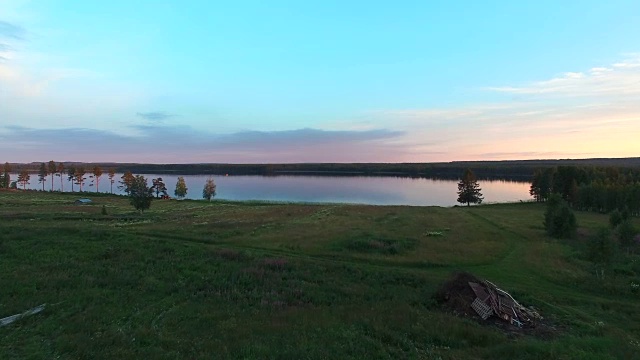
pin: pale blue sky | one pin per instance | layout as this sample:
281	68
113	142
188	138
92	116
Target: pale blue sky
283	81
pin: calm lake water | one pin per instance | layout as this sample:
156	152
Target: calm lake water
339	189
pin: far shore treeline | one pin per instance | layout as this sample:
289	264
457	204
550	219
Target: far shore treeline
600	189
519	170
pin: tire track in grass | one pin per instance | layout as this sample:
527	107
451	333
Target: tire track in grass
435	269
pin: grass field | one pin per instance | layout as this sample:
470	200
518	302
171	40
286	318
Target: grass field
191	280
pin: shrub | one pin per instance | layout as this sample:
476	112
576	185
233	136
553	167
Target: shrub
559	220
626	234
600	251
615	218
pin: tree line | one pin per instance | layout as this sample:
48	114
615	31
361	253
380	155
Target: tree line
601	189
519	170
134	186
76	175
140	194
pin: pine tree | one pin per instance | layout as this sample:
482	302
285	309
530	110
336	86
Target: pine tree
80	177
42	174
181	188
159	187
71	176
51	167
23	178
60	172
97	173
468	189
112	175
126	182
209	189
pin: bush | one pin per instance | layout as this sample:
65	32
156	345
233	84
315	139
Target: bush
601	248
626	234
559	220
615	218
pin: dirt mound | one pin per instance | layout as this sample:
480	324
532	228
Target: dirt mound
455	296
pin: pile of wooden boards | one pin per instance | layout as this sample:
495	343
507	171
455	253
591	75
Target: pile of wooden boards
491	300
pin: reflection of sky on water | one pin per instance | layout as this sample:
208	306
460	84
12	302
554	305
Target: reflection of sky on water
342	189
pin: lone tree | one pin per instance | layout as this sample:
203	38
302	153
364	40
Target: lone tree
71	176
111	175
97	173
140	194
60	172
181	188
42	174
126	182
52	168
469	190
159	187
79	176
209	189
23	178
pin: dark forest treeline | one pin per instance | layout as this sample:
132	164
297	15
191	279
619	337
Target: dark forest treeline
522	170
601	189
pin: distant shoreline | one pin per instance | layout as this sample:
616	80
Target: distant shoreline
520	170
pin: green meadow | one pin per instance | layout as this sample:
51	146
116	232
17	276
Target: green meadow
251	280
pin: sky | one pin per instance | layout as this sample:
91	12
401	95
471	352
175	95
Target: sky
318	81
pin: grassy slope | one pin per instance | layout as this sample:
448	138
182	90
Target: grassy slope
190	279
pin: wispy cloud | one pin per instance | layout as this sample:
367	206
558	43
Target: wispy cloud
155	116
577	114
9	30
582	113
9	33
619	79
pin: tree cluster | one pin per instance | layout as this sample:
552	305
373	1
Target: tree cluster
5	177
134	186
48	171
601	189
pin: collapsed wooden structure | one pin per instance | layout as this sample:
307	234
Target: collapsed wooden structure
491	300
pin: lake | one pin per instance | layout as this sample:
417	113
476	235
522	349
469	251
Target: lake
333	189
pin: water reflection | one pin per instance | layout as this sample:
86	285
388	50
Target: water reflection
341	189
